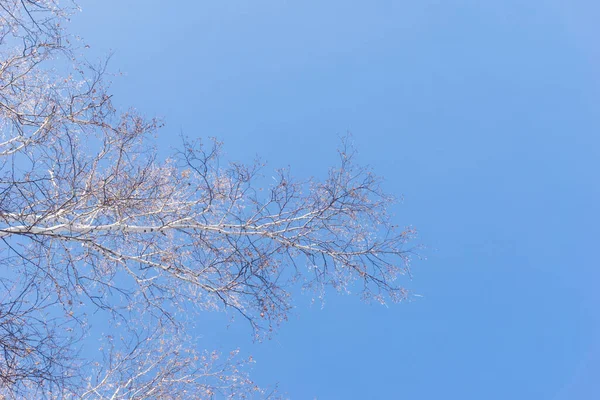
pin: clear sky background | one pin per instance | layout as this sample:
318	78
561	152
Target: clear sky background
485	115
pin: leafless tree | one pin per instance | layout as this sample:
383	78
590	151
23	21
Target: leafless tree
92	221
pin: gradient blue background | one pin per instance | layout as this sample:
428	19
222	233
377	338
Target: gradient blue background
483	114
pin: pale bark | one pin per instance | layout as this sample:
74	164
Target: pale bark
92	220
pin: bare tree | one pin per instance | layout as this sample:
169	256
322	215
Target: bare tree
92	221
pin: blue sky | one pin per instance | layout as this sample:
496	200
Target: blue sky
483	114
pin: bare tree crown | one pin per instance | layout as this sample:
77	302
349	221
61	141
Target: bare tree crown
92	219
